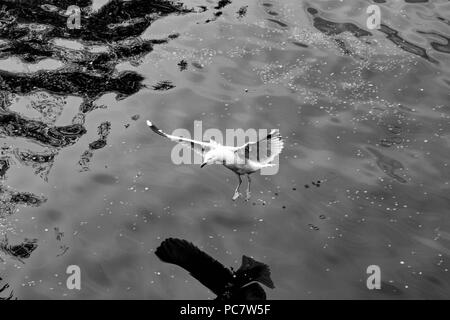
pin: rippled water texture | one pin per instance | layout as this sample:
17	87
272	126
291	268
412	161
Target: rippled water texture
363	180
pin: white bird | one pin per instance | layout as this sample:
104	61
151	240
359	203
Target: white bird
245	159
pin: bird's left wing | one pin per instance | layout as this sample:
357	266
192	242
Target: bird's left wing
198	146
210	272
252	270
264	150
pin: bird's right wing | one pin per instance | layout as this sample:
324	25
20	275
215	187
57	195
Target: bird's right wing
198	146
211	273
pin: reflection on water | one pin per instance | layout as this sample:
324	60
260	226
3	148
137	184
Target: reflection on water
363	180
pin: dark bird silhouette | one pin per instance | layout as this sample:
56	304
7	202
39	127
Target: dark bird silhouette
227	284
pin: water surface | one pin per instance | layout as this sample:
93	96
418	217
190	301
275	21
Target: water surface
363	179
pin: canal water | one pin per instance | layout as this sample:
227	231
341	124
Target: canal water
363	179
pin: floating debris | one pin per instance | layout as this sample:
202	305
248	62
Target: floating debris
242	12
183	65
58	234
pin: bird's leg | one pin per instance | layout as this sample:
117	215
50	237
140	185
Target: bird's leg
236	192
248	188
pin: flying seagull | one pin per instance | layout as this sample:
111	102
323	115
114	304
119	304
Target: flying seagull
227	284
242	160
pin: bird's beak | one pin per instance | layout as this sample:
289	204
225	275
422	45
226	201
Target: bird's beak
203	164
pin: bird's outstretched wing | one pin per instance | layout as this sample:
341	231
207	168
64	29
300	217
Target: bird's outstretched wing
198	146
252	270
264	150
211	273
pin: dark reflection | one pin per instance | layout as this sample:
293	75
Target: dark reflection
392	35
331	28
41	162
281	24
4	166
343	46
30	51
446	21
14	125
163	85
5	292
115	21
299	44
222	4
59	235
35	50
334	28
227	284
441	47
9	200
30	29
18	251
65	82
103	132
88	74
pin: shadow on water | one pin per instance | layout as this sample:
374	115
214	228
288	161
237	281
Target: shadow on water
228	285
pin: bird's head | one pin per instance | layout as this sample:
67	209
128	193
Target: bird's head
211	158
